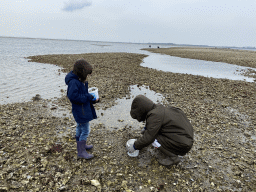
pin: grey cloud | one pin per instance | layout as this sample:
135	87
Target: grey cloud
73	5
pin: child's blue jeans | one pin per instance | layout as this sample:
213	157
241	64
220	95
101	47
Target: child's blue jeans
82	131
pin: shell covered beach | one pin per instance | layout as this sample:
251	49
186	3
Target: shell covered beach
38	149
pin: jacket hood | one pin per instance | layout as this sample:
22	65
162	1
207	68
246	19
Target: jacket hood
82	68
141	105
70	76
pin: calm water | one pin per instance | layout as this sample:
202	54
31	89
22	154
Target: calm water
20	80
117	116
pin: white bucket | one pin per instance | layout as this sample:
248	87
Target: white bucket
94	92
136	152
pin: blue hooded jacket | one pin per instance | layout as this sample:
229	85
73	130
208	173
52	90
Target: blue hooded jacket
82	108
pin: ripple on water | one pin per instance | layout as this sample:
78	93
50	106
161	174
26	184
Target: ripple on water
22	82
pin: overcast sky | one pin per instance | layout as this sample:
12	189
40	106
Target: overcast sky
197	22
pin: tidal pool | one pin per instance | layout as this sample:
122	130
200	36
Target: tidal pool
118	116
196	67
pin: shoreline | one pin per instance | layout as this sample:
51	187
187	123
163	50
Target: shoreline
221	111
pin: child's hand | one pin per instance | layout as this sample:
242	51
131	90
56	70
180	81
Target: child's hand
96	101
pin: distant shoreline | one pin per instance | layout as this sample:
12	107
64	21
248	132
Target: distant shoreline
149	43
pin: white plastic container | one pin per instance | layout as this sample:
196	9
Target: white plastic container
136	152
94	92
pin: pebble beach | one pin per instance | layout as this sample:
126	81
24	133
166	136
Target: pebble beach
34	157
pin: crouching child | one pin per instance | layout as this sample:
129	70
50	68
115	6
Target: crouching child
167	129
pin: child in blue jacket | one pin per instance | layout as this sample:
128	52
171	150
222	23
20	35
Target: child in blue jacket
82	108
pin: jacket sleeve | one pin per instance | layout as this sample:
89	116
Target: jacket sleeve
153	125
73	93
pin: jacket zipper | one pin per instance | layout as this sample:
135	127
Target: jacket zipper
83	109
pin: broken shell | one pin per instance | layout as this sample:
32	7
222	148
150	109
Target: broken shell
95	183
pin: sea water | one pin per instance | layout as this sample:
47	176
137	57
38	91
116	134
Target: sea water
21	80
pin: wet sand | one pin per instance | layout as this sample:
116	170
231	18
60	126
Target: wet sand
221	111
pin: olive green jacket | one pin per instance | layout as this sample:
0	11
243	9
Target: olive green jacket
169	125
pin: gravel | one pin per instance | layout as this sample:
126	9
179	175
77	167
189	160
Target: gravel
38	150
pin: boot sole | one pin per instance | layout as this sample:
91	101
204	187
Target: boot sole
175	162
84	158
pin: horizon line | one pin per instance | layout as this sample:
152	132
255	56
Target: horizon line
249	47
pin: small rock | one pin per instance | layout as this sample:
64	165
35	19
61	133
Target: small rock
36	98
62	188
95	183
54	107
247	134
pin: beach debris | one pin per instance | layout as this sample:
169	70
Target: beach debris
96	183
36	98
